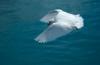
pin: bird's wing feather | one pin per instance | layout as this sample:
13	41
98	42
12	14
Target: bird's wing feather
53	32
49	17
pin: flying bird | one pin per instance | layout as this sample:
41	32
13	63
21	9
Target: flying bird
60	23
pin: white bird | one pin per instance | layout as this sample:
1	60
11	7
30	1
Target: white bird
60	23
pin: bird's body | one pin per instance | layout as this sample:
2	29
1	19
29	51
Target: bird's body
60	23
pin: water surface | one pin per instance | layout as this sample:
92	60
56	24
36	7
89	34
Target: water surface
19	25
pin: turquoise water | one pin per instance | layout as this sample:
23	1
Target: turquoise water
19	25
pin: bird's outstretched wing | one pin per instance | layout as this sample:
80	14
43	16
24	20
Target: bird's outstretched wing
49	17
53	32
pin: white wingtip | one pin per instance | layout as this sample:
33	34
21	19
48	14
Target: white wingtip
40	40
80	20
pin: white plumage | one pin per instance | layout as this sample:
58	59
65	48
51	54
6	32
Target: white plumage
61	23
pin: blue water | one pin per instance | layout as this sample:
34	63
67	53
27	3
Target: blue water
19	25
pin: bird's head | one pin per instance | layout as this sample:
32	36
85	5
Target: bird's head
58	10
55	11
